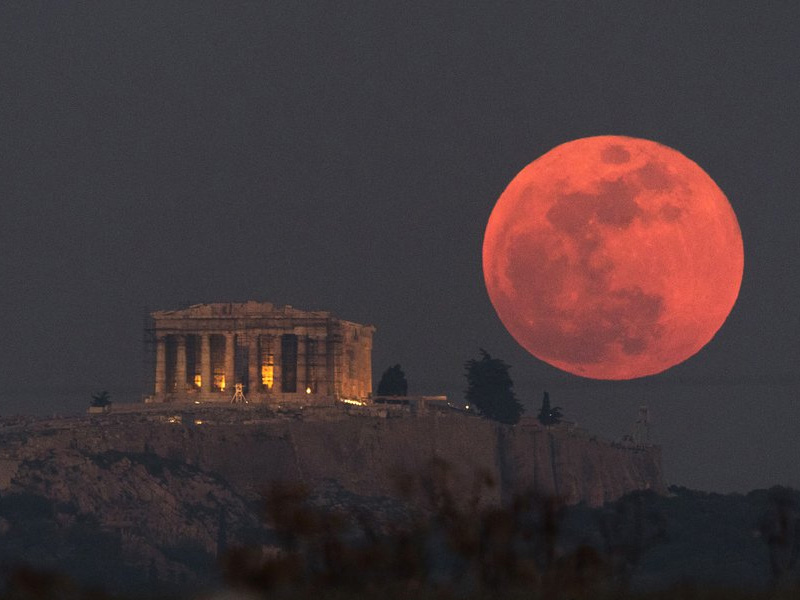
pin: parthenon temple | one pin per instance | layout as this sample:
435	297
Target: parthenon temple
275	353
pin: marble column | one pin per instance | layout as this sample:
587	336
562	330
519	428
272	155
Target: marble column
334	363
267	358
300	367
368	365
277	357
161	366
230	351
205	364
311	364
180	367
253	365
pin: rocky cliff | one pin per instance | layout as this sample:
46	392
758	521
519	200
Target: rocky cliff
186	482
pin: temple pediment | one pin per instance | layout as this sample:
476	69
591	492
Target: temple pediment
250	308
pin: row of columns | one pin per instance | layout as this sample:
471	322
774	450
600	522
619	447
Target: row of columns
205	363
206	375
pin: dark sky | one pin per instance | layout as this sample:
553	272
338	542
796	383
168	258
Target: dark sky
345	157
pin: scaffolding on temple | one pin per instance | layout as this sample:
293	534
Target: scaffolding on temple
238	395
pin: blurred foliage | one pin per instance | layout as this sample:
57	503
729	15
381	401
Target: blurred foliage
461	545
531	546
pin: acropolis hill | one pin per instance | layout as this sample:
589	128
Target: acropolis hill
249	395
169	481
251	446
303	410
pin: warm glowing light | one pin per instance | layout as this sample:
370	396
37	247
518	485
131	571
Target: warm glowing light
198	381
267	374
198	421
219	381
308	390
613	257
174	419
353	402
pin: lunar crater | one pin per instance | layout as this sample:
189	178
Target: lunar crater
612	204
670	213
655	175
615	154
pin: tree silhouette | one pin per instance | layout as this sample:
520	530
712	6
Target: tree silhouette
101	398
780	529
393	382
547	415
490	389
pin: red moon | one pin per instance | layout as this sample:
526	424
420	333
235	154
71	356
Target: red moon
613	257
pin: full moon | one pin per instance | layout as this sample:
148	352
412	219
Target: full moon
613	257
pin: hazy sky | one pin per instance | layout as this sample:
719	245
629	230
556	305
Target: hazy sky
346	156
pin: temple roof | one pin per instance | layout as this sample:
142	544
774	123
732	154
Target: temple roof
251	310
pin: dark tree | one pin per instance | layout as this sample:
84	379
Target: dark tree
393	382
101	399
547	415
780	529
490	389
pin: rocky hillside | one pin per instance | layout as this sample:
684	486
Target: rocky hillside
164	492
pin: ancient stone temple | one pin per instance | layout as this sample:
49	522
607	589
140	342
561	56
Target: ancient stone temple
277	354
